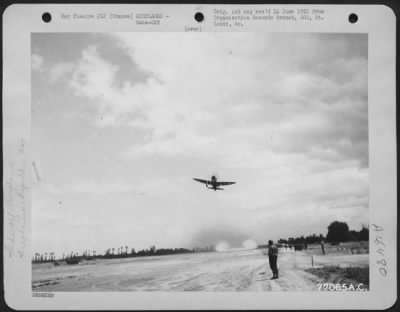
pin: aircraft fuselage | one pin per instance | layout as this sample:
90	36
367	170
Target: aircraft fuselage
214	184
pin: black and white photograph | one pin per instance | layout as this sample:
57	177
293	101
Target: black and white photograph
199	157
201	162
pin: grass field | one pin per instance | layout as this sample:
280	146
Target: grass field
337	275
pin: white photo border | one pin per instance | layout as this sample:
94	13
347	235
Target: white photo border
378	21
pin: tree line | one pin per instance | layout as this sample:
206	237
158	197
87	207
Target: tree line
337	232
120	252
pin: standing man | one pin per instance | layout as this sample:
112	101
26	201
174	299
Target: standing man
322	246
273	258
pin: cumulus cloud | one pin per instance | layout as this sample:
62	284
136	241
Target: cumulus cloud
203	88
60	70
36	61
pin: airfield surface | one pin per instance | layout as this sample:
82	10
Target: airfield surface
238	270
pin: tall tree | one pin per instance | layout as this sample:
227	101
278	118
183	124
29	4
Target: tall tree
364	234
338	232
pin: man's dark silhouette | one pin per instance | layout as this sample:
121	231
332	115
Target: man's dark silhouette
273	258
322	247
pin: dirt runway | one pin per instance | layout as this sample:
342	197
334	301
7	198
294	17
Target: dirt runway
240	270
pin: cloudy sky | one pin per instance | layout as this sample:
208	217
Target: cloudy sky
122	122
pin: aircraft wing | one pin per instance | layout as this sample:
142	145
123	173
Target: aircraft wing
202	181
225	183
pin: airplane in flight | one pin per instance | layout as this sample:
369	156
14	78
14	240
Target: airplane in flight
213	184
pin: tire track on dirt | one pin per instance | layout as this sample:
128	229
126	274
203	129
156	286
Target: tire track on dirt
290	277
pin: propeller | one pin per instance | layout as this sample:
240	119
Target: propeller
213	174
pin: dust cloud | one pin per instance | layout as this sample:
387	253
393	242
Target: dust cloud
223	239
